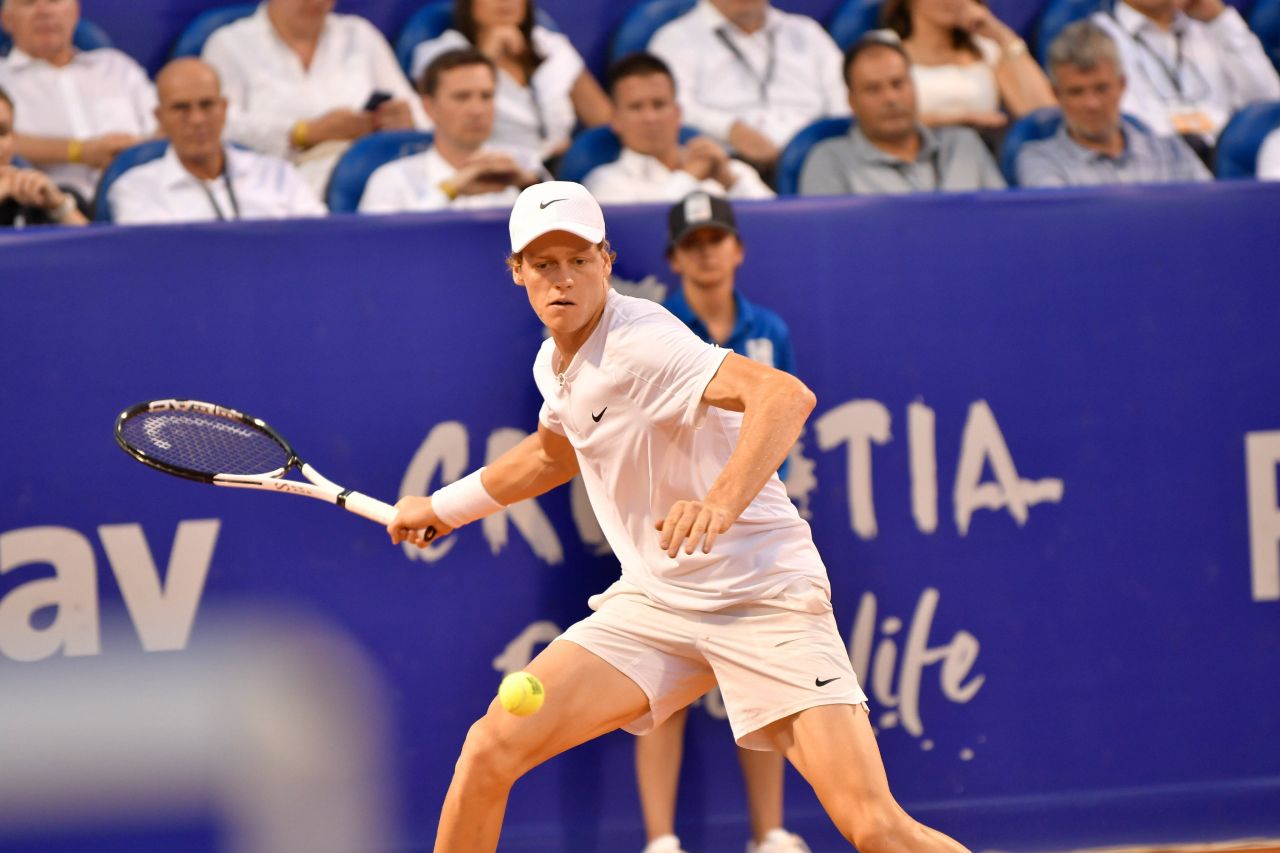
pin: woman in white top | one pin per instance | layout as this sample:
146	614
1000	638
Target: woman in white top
966	63
543	86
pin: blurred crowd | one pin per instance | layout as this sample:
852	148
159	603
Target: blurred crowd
735	98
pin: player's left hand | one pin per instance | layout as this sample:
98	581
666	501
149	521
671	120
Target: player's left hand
689	522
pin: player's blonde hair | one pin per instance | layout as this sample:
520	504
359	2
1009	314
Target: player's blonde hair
516	258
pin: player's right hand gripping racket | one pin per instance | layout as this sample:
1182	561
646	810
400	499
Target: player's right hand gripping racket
214	444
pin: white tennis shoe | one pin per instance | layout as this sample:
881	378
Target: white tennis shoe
779	841
664	844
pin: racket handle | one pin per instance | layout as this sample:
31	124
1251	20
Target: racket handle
370	508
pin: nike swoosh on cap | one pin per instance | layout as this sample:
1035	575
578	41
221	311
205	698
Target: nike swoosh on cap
547	204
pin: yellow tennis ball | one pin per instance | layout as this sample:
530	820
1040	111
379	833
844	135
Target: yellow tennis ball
521	694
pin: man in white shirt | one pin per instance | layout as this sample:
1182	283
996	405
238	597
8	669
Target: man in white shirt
677	442
1269	157
76	110
198	179
303	83
459	171
654	166
750	75
1188	65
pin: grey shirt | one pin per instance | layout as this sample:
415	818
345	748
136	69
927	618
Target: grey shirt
1060	161
951	159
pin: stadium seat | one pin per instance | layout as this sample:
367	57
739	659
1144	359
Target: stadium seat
191	41
1264	20
1055	17
346	183
854	19
642	22
88	36
791	162
1032	127
432	20
1242	137
595	147
137	155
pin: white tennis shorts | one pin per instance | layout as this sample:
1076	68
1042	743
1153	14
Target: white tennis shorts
770	660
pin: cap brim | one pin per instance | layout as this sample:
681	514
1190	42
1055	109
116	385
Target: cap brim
696	226
586	232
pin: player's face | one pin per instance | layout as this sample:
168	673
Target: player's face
462	106
882	95
192	112
1090	99
707	257
645	114
6	134
567	280
41	28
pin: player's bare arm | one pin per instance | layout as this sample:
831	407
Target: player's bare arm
774	406
536	465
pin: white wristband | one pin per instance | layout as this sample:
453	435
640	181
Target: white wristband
464	501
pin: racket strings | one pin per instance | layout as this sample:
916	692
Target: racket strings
204	443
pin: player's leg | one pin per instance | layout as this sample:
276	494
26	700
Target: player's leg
586	698
835	750
762	772
658	758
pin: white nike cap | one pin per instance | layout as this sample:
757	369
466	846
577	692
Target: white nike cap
555	206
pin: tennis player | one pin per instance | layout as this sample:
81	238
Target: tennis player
677	442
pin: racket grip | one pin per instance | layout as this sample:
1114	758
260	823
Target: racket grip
371	508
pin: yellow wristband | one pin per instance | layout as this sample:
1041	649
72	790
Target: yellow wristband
75	151
298	136
449	189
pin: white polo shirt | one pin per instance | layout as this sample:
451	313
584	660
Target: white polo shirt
163	191
776	80
1197	72
635	178
538	118
631	405
269	90
100	91
413	184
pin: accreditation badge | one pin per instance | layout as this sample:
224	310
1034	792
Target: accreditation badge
1190	122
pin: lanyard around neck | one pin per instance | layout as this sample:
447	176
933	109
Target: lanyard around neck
231	192
764	81
1174	74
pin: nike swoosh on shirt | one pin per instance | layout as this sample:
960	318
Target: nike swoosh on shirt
597	418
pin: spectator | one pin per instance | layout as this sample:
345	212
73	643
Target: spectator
1188	65
888	150
76	109
198	179
751	76
543	86
966	63
459	171
1095	145
304	83
705	250
654	166
28	196
1269	157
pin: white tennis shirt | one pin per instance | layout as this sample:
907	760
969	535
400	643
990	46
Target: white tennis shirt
631	405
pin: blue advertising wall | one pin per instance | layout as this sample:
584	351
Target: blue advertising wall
1047	430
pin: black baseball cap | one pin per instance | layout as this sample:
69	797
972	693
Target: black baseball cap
699	210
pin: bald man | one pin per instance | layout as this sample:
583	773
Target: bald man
199	179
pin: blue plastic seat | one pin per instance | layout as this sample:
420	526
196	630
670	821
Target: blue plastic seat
87	36
791	162
595	147
191	41
642	22
362	159
1055	17
432	20
1242	137
854	19
127	159
1264	20
1032	127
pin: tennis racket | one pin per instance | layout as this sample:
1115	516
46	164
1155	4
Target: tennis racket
214	444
